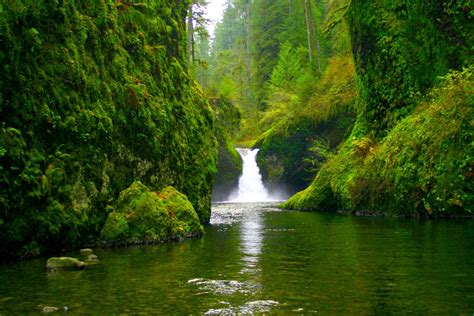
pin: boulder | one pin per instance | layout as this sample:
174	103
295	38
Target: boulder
144	216
85	252
64	263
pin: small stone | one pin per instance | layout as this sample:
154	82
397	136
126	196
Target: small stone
85	252
50	309
92	258
64	263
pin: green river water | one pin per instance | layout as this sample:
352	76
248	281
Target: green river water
257	259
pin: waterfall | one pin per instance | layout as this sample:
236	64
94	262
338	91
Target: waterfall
251	187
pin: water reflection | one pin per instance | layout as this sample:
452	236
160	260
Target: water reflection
251	239
256	259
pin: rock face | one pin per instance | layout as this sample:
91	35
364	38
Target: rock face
145	217
410	152
85	113
64	263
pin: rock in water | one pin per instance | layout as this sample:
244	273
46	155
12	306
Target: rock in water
64	263
92	259
85	252
50	309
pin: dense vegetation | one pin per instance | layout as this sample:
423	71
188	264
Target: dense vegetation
294	85
411	151
103	127
369	102
95	95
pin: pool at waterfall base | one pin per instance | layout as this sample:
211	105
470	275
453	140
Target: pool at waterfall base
256	258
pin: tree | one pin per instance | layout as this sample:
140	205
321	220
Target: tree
196	25
288	68
311	34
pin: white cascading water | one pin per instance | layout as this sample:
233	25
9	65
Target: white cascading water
251	187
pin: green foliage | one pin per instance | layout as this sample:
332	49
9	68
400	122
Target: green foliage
93	97
184	219
424	166
116	228
267	24
401	48
301	135
287	69
144	216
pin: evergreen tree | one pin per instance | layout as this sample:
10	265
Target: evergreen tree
288	68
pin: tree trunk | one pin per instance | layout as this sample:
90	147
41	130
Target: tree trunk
316	39
190	36
248	46
308	30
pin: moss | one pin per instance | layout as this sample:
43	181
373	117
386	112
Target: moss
89	104
64	263
410	152
116	228
144	216
423	167
185	222
400	54
292	150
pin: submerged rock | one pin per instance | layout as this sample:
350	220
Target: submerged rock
64	263
52	309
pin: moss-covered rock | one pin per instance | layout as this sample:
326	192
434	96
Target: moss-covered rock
410	152
88	106
400	54
292	151
143	216
85	252
64	263
423	167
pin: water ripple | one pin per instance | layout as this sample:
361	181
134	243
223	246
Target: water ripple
225	287
262	306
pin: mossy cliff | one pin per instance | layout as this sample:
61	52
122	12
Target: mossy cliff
292	151
400	50
411	150
94	95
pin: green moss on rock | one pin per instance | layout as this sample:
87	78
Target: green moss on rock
400	49
291	152
64	263
411	151
424	166
144	216
89	104
115	228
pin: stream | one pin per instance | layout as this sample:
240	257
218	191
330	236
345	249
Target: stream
255	258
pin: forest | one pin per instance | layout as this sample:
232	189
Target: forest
363	107
117	118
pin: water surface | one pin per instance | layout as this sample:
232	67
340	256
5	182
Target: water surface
256	258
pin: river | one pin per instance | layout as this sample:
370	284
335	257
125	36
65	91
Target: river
255	258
